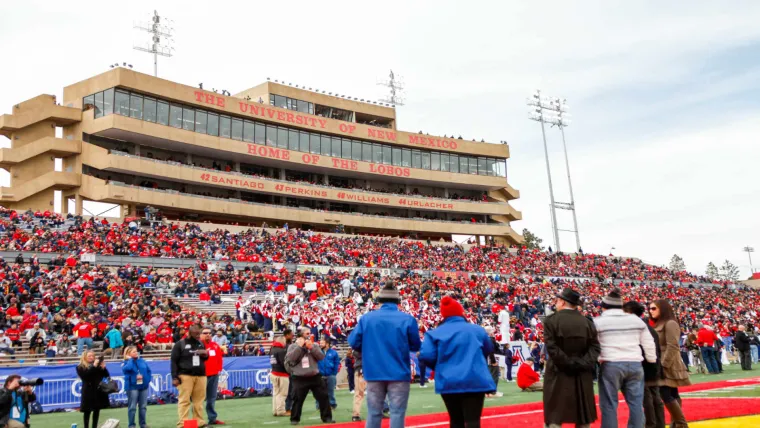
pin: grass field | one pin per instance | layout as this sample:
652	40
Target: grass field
255	412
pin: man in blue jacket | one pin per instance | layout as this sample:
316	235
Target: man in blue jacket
385	338
328	368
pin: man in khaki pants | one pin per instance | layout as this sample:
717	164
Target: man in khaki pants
279	377
188	363
360	387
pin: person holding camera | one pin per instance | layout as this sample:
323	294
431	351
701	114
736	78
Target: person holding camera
188	363
92	370
137	377
14	403
301	359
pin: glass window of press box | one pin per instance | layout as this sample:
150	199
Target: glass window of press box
291	104
150	109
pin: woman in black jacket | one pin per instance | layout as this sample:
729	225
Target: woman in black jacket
92	370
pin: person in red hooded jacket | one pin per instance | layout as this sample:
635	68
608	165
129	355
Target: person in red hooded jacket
527	378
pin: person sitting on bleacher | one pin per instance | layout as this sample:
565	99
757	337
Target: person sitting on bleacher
64	345
6	345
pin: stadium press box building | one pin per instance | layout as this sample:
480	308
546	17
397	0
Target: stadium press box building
272	153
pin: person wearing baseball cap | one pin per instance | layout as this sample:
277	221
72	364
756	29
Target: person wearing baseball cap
457	351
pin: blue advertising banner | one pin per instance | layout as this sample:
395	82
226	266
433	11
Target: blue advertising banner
62	387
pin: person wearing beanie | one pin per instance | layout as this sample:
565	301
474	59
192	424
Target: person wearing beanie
385	337
458	352
622	337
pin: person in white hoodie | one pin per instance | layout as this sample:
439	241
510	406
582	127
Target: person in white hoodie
622	337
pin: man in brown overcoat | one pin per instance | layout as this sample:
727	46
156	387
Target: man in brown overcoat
573	350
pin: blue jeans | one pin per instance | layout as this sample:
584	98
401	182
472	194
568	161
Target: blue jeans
81	342
708	355
134	398
330	381
423	373
398	397
727	341
212	382
753	353
627	377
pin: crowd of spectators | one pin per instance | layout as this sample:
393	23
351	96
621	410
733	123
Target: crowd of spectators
51	301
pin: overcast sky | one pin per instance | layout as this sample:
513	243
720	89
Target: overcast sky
664	96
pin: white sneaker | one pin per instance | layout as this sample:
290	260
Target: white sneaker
498	394
423	386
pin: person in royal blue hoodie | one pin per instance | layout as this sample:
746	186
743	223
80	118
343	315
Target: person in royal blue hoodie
385	338
137	376
457	351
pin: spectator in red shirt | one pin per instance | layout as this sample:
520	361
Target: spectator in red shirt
205	298
151	340
14	334
214	366
83	331
527	378
706	339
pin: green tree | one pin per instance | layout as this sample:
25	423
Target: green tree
712	271
677	264
532	241
729	271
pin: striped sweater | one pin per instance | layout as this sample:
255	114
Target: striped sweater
623	336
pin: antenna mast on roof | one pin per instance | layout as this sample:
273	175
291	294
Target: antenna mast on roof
158	30
395	86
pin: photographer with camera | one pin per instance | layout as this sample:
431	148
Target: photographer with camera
14	402
92	370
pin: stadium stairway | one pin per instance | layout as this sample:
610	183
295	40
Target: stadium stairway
227	307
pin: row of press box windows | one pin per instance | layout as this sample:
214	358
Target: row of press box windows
158	111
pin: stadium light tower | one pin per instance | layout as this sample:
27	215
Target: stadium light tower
157	30
554	112
749	250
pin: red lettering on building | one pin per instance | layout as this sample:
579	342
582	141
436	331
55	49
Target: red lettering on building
345	164
309	158
389	170
382	135
425	204
210	99
348	129
432	142
268	152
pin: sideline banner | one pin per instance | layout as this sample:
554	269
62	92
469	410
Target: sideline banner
63	389
520	349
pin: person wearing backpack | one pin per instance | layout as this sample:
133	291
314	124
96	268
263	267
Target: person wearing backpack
279	377
137	377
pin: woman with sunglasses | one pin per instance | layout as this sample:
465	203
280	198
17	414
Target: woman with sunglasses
674	374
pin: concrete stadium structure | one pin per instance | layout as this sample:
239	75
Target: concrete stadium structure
272	153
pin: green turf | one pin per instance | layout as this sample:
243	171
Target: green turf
256	412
